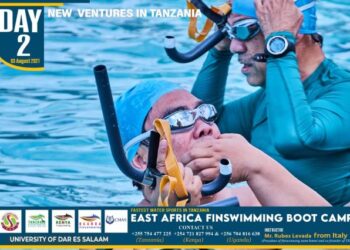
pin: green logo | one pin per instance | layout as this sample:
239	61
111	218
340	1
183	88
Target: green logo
37	220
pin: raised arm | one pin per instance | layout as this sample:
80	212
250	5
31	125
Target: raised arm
237	116
309	118
302	124
211	81
270	182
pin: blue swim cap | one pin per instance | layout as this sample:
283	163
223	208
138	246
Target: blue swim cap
133	106
307	7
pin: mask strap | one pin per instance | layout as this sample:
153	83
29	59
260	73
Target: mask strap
136	140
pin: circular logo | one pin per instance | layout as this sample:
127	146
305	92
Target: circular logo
9	222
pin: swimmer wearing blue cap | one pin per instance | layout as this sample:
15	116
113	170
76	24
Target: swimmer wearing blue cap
192	122
300	115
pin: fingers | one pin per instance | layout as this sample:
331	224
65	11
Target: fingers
222	136
197	181
153	194
196	194
182	169
196	153
231	136
201	149
258	4
209	174
301	19
206	168
199	164
224	45
231	140
194	186
187	176
277	15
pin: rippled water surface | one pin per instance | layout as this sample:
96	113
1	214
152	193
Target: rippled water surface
53	145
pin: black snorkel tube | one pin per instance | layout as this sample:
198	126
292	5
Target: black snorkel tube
111	122
204	46
149	176
205	10
199	50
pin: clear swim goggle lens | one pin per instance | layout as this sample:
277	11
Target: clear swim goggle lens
184	119
180	121
243	30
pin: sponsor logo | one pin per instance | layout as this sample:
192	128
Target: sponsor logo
63	217
91	218
89	221
37	221
9	222
109	219
116	221
63	221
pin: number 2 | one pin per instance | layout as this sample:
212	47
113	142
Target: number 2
24	39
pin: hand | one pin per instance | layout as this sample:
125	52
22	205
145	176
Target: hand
223	45
204	157
278	15
193	183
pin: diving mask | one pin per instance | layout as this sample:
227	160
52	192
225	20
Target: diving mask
243	30
180	121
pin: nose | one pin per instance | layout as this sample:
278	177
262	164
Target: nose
237	46
202	128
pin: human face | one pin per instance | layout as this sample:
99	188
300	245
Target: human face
254	71
181	100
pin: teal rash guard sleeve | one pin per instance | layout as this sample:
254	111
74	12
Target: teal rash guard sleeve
211	81
235	116
307	119
302	125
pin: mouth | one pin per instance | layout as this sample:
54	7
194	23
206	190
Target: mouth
247	66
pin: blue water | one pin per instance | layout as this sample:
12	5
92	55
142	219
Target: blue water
53	145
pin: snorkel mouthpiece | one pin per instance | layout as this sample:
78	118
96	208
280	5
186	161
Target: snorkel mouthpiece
221	181
260	57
